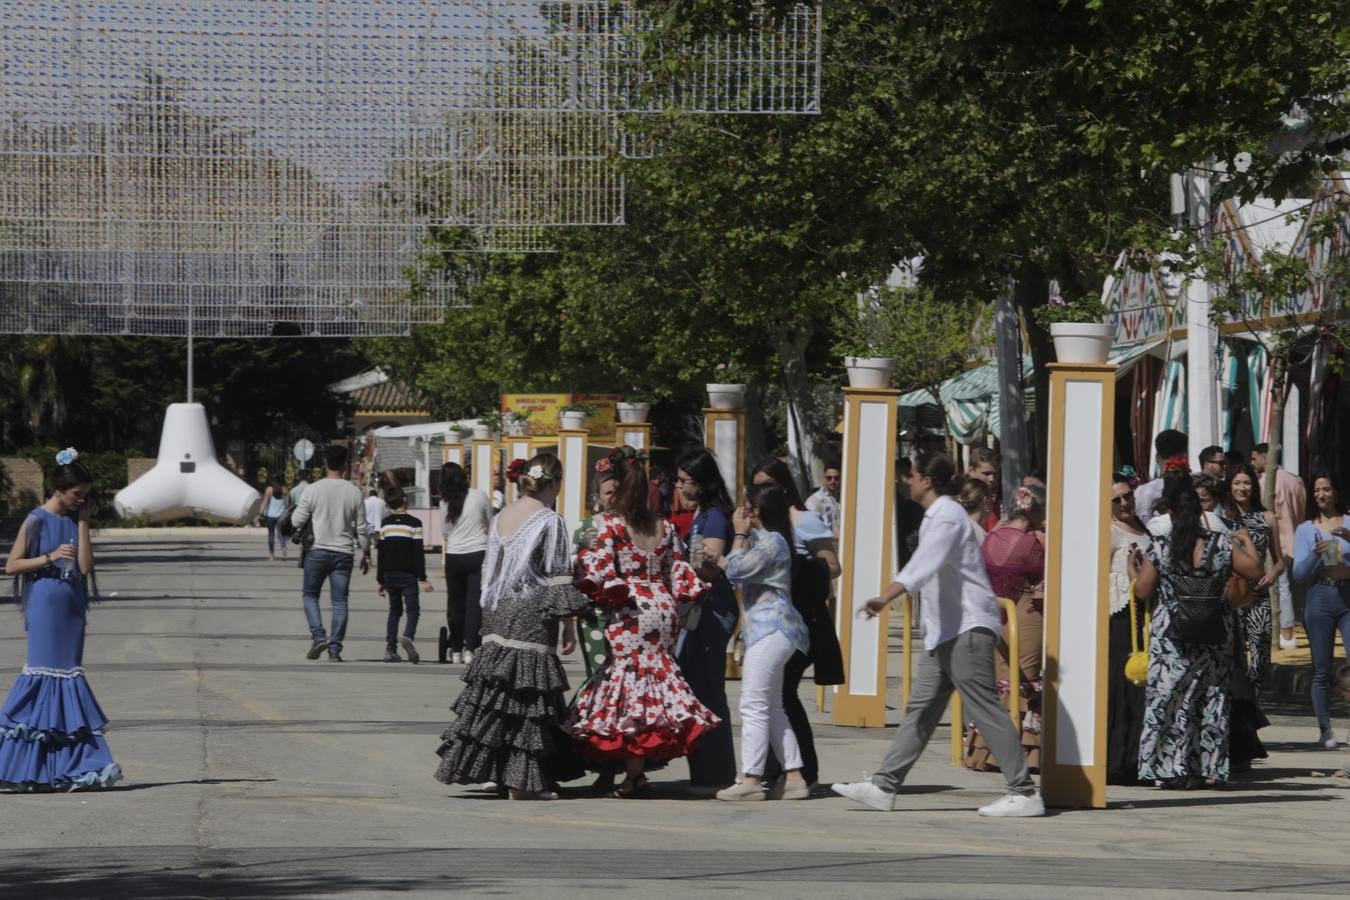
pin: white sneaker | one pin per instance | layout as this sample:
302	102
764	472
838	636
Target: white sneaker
866	793
457	657
468	656
1288	643
1019	806
1327	740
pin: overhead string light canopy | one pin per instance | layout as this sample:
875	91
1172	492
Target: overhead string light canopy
250	169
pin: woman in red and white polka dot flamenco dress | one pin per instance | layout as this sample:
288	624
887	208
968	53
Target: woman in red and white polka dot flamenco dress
639	707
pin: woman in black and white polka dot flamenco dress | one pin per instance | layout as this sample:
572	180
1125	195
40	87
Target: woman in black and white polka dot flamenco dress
507	730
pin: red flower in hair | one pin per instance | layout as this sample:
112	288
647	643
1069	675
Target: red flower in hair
515	470
1176	464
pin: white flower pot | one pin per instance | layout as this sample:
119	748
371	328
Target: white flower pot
726	396
453	437
482	432
1082	342
633	413
573	421
869	371
517	428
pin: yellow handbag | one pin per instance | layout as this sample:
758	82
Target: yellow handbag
1136	666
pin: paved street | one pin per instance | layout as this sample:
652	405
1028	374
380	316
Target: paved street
252	772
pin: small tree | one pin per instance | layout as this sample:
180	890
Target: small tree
1261	298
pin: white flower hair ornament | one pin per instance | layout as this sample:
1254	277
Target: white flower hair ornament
67	456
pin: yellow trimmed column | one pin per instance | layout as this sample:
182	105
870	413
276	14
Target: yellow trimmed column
724	433
867	522
1077	566
575	484
484	464
452	452
517	447
637	435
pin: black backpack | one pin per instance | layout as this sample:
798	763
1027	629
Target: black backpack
810	596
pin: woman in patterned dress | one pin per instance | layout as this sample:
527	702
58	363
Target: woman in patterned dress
51	727
1124	699
638	707
509	712
1243	510
1186	719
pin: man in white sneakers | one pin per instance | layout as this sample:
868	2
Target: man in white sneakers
961	622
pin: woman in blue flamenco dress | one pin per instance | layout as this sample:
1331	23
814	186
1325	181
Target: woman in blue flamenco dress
51	727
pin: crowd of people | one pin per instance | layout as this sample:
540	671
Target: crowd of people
657	584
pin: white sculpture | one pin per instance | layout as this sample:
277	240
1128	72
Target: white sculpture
187	480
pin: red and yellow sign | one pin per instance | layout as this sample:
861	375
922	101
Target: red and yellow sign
544	409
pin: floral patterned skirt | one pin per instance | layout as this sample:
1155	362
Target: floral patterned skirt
639	705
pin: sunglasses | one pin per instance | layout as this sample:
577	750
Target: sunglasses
1122	498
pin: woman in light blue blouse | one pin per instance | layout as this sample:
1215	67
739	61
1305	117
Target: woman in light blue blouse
1322	560
760	562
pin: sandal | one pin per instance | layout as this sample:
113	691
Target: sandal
632	788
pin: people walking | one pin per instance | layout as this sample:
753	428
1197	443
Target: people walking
1322	561
376	511
760	563
706	629
815	565
1291	506
400	570
51	727
334	507
466	513
274	502
638	708
961	621
1190	654
507	729
1126	632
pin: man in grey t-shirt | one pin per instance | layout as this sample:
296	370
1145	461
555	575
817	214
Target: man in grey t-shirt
335	507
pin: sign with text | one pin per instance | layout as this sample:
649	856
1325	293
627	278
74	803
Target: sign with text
544	410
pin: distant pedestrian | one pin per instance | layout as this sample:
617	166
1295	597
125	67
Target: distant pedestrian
1168	445
1212	462
274	502
1291	505
400	568
51	727
1322	561
961	622
376	512
986	465
824	502
334	506
466	514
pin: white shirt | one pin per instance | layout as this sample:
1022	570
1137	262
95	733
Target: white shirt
376	510
468	533
948	572
1161	525
823	504
1145	496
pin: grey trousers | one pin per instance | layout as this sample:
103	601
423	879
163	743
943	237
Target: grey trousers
965	663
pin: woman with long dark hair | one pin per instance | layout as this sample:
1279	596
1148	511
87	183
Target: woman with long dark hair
708	624
638	708
465	514
274	502
816	556
51	727
1322	560
760	562
1124	698
1188	701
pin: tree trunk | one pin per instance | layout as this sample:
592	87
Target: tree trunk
797	394
1278	389
1032	290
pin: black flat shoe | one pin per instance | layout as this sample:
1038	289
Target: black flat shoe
633	788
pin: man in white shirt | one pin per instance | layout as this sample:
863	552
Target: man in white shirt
376	512
1166	445
335	507
825	501
960	622
1291	506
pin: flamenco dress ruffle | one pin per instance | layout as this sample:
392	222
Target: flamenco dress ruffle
506	727
51	726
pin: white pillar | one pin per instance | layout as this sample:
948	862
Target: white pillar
636	435
724	432
452	452
1202	339
1077	570
1291	438
572	498
517	448
422	471
484	464
866	552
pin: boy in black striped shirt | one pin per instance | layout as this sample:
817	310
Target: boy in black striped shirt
400	567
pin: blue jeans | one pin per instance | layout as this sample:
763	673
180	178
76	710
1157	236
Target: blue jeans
274	536
337	568
1326	612
401	588
703	659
